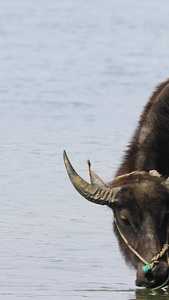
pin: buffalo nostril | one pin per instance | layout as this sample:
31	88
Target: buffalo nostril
149	276
157	276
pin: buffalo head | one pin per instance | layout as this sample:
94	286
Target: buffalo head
140	204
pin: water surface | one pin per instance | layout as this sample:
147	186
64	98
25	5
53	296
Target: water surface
74	75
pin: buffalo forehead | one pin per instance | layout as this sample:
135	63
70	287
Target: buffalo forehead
143	194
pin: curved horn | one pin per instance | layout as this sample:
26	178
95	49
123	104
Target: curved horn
103	196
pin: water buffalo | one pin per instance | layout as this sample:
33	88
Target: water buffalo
139	194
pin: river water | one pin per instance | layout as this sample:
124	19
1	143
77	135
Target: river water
74	75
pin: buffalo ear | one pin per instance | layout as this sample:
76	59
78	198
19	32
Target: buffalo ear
95	179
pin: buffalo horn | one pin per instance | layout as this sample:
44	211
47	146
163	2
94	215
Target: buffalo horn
103	196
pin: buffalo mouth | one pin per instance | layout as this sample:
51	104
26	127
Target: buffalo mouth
156	278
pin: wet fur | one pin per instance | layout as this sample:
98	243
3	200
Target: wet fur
149	148
142	195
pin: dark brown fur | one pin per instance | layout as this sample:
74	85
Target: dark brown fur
143	199
139	198
149	148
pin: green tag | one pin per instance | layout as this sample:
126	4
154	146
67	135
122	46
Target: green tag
146	268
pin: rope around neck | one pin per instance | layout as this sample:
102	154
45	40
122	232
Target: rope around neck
154	260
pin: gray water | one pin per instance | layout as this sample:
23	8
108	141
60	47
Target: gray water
74	75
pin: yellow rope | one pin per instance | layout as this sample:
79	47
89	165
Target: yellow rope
154	260
130	247
162	252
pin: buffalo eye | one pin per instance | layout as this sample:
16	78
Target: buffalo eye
125	221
